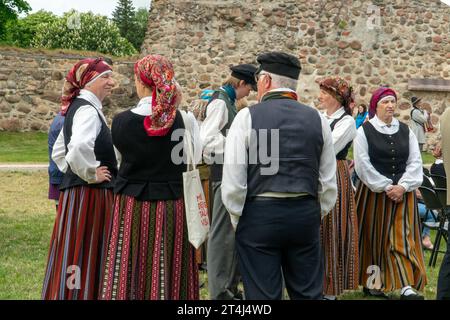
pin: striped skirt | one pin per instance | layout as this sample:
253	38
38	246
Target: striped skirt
149	254
390	247
339	234
78	243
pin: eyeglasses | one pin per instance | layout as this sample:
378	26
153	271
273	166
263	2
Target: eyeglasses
258	76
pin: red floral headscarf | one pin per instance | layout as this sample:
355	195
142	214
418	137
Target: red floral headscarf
340	90
157	72
81	74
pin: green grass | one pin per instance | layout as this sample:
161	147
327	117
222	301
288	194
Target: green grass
23	147
26	223
427	158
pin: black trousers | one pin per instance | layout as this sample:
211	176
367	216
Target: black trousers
280	235
443	286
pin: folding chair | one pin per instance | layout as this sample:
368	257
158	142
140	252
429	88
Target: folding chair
432	202
426	182
439	181
426	171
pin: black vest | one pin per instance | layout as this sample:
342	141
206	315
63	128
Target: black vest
300	148
388	153
342	155
103	150
216	168
147	171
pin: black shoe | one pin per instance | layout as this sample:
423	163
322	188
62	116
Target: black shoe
414	296
374	293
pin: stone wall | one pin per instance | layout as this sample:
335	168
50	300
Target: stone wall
370	43
31	83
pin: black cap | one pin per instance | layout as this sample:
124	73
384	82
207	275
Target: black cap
415	100
244	72
280	63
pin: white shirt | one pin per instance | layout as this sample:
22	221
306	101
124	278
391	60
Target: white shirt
213	141
344	131
85	129
234	180
411	179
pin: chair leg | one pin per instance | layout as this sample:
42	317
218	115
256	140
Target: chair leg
438	240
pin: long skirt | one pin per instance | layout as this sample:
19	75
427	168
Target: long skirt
390	246
149	254
339	234
78	244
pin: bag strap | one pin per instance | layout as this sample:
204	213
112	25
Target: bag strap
188	139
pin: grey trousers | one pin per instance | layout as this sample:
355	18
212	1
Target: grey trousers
221	258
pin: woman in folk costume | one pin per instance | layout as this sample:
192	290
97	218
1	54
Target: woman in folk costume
388	162
149	255
84	151
340	227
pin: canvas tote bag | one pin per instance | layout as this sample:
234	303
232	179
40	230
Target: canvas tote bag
194	199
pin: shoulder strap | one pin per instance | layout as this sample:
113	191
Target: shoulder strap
188	137
333	124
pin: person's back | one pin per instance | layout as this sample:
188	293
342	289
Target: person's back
146	171
298	167
279	175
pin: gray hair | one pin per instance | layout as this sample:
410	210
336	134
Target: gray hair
282	81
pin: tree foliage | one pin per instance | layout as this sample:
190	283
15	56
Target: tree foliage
9	10
83	31
131	23
22	31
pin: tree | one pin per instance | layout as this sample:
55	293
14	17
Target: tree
9	10
124	17
141	18
21	32
83	31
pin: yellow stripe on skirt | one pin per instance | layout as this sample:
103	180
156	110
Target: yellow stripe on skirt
389	241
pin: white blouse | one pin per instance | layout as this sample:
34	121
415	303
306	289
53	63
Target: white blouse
344	131
85	129
411	179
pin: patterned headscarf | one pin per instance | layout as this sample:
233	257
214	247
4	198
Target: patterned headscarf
340	90
84	72
379	94
157	72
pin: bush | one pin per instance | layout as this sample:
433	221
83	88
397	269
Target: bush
83	31
22	32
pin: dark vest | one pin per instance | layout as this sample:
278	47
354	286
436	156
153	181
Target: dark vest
147	171
342	155
103	150
300	148
216	168
388	153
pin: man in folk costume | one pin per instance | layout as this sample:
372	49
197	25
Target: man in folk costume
84	151
223	277
443	287
275	201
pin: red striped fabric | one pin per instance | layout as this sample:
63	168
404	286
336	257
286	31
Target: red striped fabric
80	234
149	254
